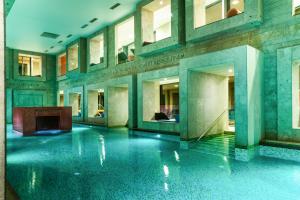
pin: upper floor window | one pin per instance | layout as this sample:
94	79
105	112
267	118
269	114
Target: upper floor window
73	57
209	11
156	21
124	41
296	7
62	64
30	65
97	50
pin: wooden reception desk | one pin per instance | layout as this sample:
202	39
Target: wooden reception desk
30	120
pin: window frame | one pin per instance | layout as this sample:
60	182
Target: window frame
31	64
16	74
102	65
251	17
75	44
126	19
64	53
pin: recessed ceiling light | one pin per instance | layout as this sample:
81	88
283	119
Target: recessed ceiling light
230	70
84	26
93	20
235	2
161	2
115	6
49	35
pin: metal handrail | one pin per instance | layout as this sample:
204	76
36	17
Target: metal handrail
211	126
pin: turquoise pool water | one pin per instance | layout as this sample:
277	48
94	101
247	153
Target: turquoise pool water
95	163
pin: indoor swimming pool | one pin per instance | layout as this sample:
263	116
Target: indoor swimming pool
99	163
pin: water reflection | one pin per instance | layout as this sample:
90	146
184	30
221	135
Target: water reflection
177	158
101	149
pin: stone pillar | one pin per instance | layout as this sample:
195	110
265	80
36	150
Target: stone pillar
2	105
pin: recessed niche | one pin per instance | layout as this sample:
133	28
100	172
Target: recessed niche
96	103
209	11
62	64
75	103
156	21
124	41
161	100
96	49
73	55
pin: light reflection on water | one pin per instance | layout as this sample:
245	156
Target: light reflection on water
108	164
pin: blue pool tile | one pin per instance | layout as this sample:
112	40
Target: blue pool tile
100	163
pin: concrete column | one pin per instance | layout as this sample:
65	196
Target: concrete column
118	108
151	103
207	104
2	105
92	103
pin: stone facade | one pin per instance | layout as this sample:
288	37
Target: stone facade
267	26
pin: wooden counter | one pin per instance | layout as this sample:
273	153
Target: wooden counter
30	120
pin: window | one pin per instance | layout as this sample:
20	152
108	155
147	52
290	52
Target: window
97	50
96	103
156	21
296	7
73	57
30	65
62	64
61	98
209	11
124	35
161	100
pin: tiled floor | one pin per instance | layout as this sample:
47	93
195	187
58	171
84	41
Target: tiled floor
93	163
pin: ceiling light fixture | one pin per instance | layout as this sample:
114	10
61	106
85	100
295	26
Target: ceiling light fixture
230	70
161	2
50	35
235	2
93	20
115	6
84	26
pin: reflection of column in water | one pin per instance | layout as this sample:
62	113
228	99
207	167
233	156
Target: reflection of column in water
34	176
77	144
101	149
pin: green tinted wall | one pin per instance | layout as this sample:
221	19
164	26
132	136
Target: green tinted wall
29	91
279	29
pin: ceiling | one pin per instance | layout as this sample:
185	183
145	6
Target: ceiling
221	70
27	20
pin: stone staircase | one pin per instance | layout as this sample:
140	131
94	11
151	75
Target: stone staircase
223	145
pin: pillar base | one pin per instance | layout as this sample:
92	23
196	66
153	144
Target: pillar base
246	155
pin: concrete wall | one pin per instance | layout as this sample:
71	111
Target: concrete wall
118	113
287	61
29	91
71	99
118	104
92	103
74	103
248	65
276	29
151	99
207	102
93	88
2	104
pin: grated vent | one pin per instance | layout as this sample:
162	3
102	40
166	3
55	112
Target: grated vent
49	35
